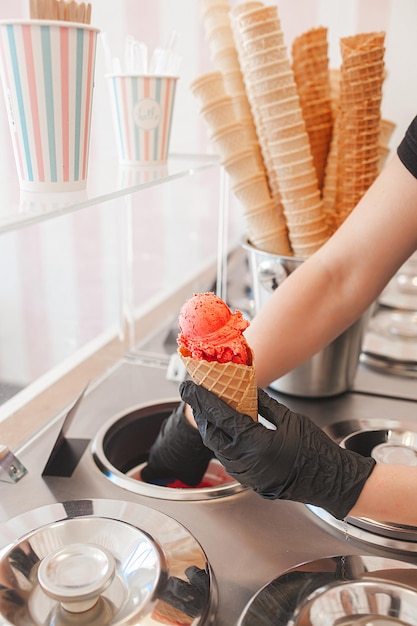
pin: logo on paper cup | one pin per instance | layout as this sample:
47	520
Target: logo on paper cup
147	114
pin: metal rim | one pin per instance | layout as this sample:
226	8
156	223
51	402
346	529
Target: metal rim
302	593
124	481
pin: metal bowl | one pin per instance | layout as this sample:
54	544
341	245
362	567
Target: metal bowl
331	371
385	445
121	448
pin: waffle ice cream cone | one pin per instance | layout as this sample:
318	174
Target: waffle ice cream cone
232	382
311	72
215	353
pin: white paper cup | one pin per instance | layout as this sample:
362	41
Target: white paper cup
143	107
47	72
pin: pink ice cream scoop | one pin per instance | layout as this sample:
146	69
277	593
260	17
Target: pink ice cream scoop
210	331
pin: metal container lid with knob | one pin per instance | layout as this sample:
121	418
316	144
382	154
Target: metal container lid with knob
102	562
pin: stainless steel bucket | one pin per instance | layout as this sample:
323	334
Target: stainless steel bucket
329	372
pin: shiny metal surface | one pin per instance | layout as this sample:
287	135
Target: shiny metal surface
340	590
76	575
388	440
11	469
394	444
332	370
62	571
122	445
392	335
248	541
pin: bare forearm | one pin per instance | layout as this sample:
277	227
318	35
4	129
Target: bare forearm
329	291
389	495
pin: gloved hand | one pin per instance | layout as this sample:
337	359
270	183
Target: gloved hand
177	453
296	461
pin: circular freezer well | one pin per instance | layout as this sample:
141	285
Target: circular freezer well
338	591
121	448
387	441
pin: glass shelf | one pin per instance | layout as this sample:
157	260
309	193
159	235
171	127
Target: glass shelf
107	180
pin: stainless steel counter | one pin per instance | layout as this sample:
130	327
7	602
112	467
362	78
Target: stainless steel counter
248	541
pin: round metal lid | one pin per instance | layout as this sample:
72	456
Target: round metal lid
102	562
341	590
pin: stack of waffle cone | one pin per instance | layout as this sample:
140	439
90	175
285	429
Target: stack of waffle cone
361	79
310	64
227	112
232	382
272	93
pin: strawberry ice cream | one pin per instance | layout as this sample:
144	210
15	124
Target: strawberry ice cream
215	353
210	331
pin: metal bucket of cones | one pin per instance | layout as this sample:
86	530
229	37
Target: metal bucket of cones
329	372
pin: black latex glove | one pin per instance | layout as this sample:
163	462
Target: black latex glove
177	453
296	461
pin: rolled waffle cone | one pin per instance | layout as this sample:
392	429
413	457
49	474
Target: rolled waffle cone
311	72
235	384
358	136
363	48
309	53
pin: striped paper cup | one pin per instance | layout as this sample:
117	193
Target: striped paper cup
142	108
47	72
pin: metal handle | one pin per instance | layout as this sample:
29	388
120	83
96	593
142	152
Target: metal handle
11	469
77	575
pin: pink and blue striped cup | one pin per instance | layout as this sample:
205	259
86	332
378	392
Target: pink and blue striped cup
47	72
143	107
